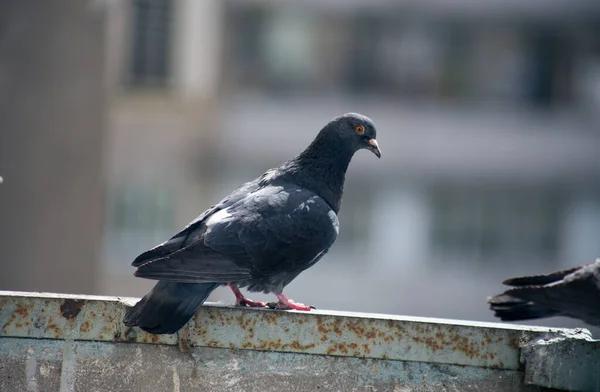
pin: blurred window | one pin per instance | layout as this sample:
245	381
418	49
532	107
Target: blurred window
292	50
140	215
151	39
492	223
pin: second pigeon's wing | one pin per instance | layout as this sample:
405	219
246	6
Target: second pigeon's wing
575	294
540	279
271	234
508	308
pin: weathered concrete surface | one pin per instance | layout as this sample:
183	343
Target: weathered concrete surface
53	365
57	342
570	362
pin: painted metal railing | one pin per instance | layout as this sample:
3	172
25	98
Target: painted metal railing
269	349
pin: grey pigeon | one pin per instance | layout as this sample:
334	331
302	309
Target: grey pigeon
572	293
260	237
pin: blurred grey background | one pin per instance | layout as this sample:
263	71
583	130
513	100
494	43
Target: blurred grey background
120	121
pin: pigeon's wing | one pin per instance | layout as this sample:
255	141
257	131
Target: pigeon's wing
540	279
176	242
508	308
196	228
576	295
279	228
276	229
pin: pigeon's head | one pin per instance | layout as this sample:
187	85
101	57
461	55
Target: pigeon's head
356	131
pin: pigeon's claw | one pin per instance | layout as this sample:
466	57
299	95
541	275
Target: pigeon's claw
287	304
240	300
249	303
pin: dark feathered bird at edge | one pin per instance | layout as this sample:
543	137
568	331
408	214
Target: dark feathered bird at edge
573	293
260	237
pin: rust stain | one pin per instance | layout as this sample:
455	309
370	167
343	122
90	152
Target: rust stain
21	311
371	334
367	349
213	343
247	345
296	345
85	327
53	327
332	326
70	308
513	342
272	319
107	329
275	345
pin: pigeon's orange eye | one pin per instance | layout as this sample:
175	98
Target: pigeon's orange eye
359	129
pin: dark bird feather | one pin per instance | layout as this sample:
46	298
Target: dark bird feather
260	237
571	293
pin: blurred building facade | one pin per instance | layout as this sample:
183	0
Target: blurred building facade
52	128
487	116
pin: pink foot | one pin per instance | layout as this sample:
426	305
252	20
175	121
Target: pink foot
285	303
240	300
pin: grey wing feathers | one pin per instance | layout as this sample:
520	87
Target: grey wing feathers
540	279
173	244
190	232
271	231
574	292
195	264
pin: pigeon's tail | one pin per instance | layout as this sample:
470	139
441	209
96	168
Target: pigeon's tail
508	308
168	306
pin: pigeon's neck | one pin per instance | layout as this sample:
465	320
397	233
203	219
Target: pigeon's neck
322	169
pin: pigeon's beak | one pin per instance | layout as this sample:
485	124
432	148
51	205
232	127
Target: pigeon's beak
374	147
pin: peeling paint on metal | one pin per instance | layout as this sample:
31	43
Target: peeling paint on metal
70	308
339	334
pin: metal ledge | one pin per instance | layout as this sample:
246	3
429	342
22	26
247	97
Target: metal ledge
325	333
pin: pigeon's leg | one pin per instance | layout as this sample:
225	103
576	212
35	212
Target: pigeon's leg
240	300
285	303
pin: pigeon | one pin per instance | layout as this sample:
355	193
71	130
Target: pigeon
573	293
260	237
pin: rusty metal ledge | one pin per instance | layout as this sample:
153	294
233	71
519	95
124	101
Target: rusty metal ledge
376	336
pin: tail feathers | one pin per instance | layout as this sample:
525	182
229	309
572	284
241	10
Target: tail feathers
508	308
168	306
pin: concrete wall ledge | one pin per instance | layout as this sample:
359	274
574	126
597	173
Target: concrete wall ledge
75	342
